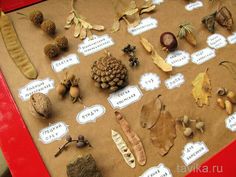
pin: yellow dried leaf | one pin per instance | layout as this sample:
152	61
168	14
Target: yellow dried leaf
146	44
115	26
98	27
67	26
83	33
77	30
70	18
201	89
130	12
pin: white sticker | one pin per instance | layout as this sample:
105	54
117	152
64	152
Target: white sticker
35	86
65	62
232	39
174	81
53	132
230	122
158	171
178	58
203	55
90	46
149	81
216	41
145	25
193	5
193	151
157	1
90	114
125	97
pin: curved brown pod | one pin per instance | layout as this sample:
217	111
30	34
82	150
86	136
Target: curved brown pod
133	138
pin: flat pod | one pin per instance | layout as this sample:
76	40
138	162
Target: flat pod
163	133
150	113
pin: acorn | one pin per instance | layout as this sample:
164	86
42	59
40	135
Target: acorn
49	27
168	41
36	17
51	50
74	90
62	42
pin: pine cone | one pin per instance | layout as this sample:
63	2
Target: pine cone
109	73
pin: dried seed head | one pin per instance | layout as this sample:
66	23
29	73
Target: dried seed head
36	17
51	50
62	42
49	27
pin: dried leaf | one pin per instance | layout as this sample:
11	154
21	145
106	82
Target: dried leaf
70	18
130	12
77	30
146	44
150	113
98	27
201	89
83	33
163	133
67	26
115	26
149	9
146	4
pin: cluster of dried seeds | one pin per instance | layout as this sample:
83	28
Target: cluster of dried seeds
69	83
186	122
130	51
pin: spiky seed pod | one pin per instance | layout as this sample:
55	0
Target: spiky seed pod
62	42
51	50
49	27
109	73
36	17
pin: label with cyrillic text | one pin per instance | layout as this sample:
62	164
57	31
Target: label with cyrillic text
178	58
158	171
175	81
149	81
193	5
232	38
203	55
230	122
65	62
216	41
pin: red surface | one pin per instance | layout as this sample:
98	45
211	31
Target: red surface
9	5
16	143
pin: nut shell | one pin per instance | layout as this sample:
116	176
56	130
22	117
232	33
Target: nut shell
40	105
49	27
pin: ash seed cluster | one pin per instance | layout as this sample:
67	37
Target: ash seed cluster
130	51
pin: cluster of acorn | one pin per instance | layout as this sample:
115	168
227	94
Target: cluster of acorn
69	83
226	100
81	142
186	122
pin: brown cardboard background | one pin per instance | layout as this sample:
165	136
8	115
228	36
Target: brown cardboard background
179	101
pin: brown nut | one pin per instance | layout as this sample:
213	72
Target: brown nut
232	97
228	107
220	102
168	41
40	105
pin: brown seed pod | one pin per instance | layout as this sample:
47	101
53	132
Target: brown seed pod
62	42
224	18
168	41
220	102
36	17
51	50
49	27
61	89
74	90
228	107
40	105
232	97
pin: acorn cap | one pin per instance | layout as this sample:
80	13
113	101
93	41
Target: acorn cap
62	42
49	27
36	17
51	50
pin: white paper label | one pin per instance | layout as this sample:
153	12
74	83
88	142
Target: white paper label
53	132
158	171
174	81
216	41
35	86
90	46
193	5
156	1
149	81
125	97
232	39
193	151
90	114
65	62
178	58
230	122
145	25
203	55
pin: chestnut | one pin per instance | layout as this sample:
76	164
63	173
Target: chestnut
168	41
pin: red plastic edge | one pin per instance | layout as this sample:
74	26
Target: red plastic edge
16	142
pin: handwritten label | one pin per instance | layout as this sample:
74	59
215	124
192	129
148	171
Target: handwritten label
65	62
216	41
90	46
174	81
53	133
193	151
232	39
149	81
193	5
203	55
178	58
125	97
90	114
230	122
42	86
145	25
157	1
158	171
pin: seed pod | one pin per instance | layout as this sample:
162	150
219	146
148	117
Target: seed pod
224	18
51	50
200	126
168	41
61	89
49	27
80	144
62	42
221	103
228	107
68	138
74	93
36	17
232	97
188	132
